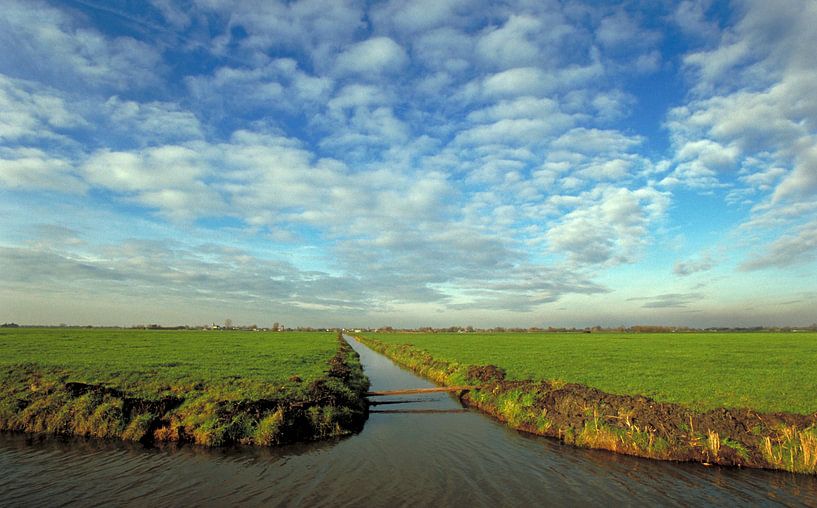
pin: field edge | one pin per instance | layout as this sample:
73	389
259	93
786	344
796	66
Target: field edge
633	425
331	406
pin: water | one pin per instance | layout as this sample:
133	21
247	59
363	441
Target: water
449	457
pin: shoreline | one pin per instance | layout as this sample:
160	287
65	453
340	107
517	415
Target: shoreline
628	424
332	406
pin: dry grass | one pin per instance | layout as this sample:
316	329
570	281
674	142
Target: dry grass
792	449
713	443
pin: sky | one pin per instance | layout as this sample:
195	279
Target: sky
427	163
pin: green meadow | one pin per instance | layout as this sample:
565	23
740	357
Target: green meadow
766	372
241	363
205	387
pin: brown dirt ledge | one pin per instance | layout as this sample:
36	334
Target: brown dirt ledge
35	400
634	425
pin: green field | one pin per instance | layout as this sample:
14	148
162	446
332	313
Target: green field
206	387
248	364
767	372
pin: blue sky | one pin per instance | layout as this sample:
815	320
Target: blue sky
409	163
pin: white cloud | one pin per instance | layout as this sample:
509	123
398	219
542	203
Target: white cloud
788	250
512	45
512	131
372	56
609	226
596	141
312	28
419	15
171	179
690	16
44	42
801	182
28	110
620	30
471	154
517	81
356	95
521	107
153	121
750	124
34	169
167	271
275	85
526	39
535	81
444	48
607	169
699	162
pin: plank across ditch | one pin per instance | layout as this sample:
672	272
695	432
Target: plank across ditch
422	390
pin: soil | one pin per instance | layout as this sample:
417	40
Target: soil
569	406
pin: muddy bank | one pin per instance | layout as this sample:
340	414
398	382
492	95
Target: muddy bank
37	400
633	425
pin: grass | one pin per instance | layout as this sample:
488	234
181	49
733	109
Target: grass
767	372
207	387
240	363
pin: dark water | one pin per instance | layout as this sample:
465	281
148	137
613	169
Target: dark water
441	458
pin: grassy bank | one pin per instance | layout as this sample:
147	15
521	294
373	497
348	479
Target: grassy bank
767	372
526	383
205	387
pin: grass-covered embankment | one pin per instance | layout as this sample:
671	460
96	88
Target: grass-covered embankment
732	399
206	387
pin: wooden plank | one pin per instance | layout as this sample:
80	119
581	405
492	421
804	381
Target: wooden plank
417	411
422	390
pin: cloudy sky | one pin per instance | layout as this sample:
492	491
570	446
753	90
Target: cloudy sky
438	162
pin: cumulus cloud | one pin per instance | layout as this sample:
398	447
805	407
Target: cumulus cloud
801	182
750	122
513	44
314	29
445	49
773	111
29	110
372	56
609	226
169	178
152	122
32	169
421	15
452	154
275	85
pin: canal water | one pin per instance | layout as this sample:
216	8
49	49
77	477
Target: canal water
425	451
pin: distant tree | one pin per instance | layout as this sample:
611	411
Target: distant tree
228	323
